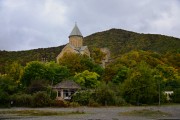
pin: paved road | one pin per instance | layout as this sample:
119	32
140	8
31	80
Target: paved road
102	113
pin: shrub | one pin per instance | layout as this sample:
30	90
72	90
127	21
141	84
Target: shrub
60	103
53	95
21	100
119	101
4	99
107	94
93	103
82	97
37	85
41	99
176	96
74	104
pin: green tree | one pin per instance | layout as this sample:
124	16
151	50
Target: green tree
7	88
56	73
121	75
34	70
87	79
7	84
82	97
140	86
170	77
176	95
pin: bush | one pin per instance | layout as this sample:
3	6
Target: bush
82	97
74	104
107	94
176	96
41	99
37	85
21	100
53	95
93	103
119	101
60	103
4	99
104	96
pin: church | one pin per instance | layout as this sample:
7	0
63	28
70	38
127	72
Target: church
75	44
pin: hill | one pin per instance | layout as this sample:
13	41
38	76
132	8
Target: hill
117	40
121	41
41	54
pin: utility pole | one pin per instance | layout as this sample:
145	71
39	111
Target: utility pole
159	94
158	79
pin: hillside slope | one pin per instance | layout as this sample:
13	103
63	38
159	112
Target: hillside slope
121	41
7	57
117	40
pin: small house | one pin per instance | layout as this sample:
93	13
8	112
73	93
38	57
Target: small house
168	95
66	89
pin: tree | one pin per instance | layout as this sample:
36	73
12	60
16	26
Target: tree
34	70
50	72
7	88
121	75
97	55
140	86
78	63
170	77
176	96
15	71
37	85
87	79
7	84
56	73
109	74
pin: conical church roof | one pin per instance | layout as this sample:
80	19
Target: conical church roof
75	32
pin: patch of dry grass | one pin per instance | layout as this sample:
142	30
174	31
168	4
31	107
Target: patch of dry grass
39	113
146	113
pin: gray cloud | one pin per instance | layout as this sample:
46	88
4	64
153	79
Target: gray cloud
29	24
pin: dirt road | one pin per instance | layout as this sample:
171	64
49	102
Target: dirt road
102	113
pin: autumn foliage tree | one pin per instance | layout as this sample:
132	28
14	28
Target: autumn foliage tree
78	63
15	71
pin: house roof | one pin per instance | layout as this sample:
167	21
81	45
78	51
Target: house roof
67	84
75	31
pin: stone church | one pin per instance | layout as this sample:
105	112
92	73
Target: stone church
75	44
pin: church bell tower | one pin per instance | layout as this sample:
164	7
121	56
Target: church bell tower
75	37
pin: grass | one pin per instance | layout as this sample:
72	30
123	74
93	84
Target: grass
146	113
40	113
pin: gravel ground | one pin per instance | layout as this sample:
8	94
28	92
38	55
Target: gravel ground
101	113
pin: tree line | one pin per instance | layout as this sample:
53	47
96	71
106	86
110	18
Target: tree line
137	77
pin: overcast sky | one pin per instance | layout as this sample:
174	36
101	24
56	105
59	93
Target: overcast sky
31	24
